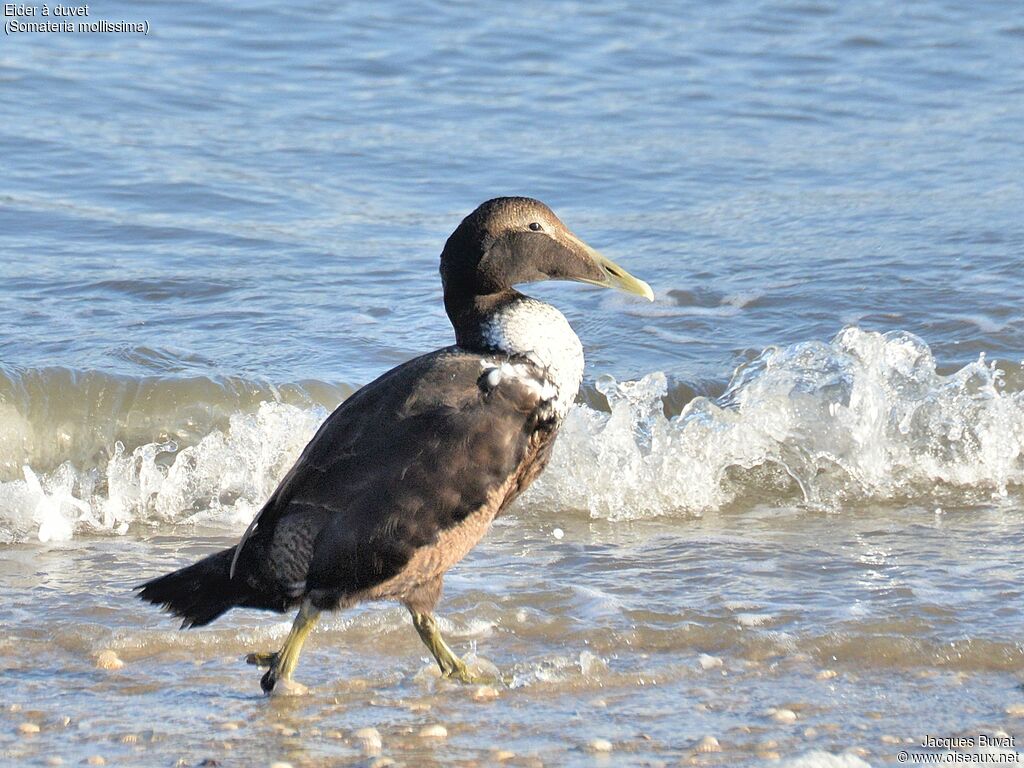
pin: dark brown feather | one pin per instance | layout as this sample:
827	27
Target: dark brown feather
408	457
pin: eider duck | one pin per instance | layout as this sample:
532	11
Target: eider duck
406	476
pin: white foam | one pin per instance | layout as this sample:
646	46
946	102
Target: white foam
222	480
821	759
864	417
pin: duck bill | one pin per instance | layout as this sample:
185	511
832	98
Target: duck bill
612	275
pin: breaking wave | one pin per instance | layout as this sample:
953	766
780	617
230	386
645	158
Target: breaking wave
865	417
96	452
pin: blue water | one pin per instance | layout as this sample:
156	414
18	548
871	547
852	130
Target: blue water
247	206
265	188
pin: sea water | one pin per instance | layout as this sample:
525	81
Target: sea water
782	524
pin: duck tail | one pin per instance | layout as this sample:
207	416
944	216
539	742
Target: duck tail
201	592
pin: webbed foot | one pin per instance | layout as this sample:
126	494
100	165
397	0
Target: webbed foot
262	660
275	685
469	677
451	666
475	671
278	678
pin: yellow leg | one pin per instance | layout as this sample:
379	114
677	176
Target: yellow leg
282	664
450	664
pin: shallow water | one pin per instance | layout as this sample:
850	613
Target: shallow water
804	458
649	634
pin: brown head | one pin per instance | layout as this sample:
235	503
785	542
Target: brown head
512	240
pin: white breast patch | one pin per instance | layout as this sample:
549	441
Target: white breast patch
524	374
541	333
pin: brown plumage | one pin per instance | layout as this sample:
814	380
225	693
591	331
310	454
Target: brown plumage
405	477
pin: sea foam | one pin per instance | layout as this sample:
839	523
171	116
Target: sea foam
865	417
221	480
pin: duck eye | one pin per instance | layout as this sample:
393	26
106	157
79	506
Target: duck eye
535	227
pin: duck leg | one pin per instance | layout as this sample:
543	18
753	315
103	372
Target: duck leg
282	663
450	664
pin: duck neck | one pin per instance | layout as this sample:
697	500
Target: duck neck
470	317
511	323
